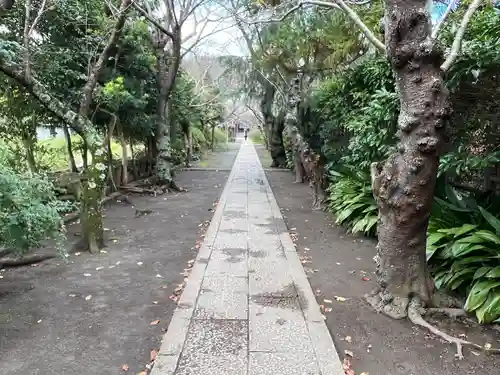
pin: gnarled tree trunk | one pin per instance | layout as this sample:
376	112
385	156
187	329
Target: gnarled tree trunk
404	187
276	147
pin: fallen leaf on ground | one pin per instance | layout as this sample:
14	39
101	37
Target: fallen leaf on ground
87	274
124	367
88	297
155	302
347	367
348	339
158	275
139	263
99	268
475	353
328	309
153	355
340	299
39	321
364	373
155	322
365	279
349	353
143	373
327	301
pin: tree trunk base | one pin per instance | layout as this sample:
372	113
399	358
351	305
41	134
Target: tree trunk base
411	308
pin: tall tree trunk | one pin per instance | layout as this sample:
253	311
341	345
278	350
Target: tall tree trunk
69	147
212	142
277	149
275	124
165	75
94	183
28	143
123	143
404	187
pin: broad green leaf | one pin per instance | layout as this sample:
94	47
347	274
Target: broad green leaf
488	236
492	220
494	273
481	272
479	293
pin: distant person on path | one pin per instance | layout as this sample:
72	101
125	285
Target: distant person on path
246	134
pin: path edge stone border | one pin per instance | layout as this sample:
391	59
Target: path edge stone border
328	358
173	340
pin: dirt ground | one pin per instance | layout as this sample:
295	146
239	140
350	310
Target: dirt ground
342	265
95	313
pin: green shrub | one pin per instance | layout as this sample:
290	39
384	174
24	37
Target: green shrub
256	136
350	199
467	258
29	211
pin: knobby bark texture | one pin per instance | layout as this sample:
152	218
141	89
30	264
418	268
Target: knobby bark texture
404	186
274	125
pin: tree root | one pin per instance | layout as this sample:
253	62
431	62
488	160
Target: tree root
416	318
399	308
12	263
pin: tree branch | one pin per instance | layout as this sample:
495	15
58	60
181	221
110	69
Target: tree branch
337	4
459	36
440	23
152	20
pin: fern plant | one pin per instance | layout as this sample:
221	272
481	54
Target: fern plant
350	199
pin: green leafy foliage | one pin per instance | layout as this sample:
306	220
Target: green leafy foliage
466	258
350	199
29	210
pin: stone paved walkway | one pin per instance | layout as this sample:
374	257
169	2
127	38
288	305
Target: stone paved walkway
247	308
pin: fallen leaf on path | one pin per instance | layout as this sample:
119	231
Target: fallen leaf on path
88	298
155	322
475	353
347	367
77	254
99	268
348	339
124	367
327	301
153	355
328	309
140	263
340	299
143	373
104	251
364	373
158	275
87	274
39	321
349	353
487	346
155	302
365	278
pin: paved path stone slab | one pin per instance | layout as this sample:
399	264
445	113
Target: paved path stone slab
247	308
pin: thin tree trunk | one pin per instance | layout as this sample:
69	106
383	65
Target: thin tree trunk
404	187
30	156
123	143
69	147
109	136
165	76
212	145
